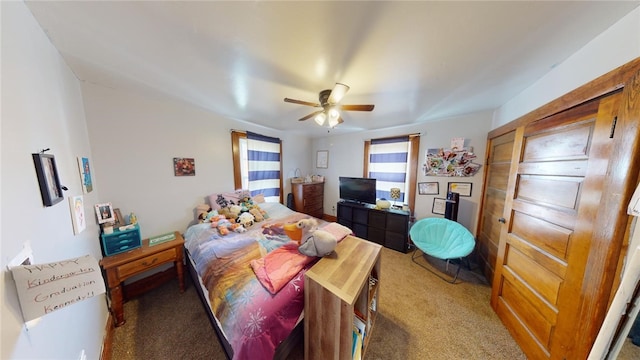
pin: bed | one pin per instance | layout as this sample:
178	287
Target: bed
256	316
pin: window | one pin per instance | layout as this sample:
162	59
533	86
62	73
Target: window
256	164
393	162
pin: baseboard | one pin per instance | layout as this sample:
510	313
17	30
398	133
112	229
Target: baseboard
329	218
107	345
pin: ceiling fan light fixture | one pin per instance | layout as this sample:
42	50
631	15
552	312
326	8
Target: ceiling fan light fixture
320	118
334	121
334	114
338	92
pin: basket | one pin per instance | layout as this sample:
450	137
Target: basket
297	179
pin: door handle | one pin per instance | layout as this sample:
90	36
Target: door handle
502	220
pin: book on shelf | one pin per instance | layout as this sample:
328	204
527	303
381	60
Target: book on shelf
361	325
356	349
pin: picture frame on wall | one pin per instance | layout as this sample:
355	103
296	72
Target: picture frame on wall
322	159
85	174
78	220
184	167
462	188
47	172
429	188
439	206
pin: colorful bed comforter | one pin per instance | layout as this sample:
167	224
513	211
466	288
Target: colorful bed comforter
253	320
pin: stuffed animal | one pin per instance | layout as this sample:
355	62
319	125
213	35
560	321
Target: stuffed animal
229	214
315	242
256	214
202	210
224	226
246	219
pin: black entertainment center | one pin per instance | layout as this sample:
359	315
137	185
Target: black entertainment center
389	227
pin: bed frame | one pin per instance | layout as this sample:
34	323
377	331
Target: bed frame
294	340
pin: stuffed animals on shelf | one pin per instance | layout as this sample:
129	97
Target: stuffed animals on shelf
315	242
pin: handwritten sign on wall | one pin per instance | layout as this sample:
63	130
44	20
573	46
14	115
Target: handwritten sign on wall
48	287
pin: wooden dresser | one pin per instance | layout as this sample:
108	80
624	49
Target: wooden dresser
308	198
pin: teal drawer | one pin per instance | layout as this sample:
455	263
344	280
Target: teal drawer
121	241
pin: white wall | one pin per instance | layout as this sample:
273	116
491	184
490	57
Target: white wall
42	108
346	158
614	47
134	139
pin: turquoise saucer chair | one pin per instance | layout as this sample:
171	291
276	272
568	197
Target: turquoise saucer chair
443	239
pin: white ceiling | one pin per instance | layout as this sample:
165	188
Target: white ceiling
416	61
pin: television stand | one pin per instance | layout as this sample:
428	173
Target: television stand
389	227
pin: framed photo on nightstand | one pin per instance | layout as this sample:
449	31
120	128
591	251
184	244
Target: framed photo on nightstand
104	213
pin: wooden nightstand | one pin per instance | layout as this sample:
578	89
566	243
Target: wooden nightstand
117	268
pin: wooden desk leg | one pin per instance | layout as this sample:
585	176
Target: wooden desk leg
180	271
116	304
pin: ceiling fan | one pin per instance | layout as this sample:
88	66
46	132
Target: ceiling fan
329	101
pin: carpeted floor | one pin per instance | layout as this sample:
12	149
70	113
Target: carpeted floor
420	317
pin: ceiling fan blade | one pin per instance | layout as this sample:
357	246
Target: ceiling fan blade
300	102
338	93
357	107
310	115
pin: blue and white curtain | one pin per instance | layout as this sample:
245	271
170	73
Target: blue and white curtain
388	164
264	166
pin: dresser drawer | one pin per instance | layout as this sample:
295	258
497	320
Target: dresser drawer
313	190
146	263
121	241
313	201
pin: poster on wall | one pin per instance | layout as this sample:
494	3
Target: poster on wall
85	175
76	204
44	288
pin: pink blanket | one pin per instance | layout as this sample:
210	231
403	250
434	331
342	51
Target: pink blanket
279	266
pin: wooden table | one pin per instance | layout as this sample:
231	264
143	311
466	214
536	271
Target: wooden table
117	268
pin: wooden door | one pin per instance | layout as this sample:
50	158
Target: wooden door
553	196
499	154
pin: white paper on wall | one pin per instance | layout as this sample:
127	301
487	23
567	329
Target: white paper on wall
44	288
634	204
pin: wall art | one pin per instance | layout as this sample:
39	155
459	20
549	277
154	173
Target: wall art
47	172
76	204
429	188
462	188
85	174
184	167
447	162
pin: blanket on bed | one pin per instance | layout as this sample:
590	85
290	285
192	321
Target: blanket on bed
253	320
276	269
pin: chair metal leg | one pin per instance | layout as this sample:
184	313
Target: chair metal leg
414	257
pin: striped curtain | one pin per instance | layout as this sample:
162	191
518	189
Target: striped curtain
388	164
264	166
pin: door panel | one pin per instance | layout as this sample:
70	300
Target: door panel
551	199
499	153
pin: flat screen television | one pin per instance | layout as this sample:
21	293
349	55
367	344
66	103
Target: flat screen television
360	190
